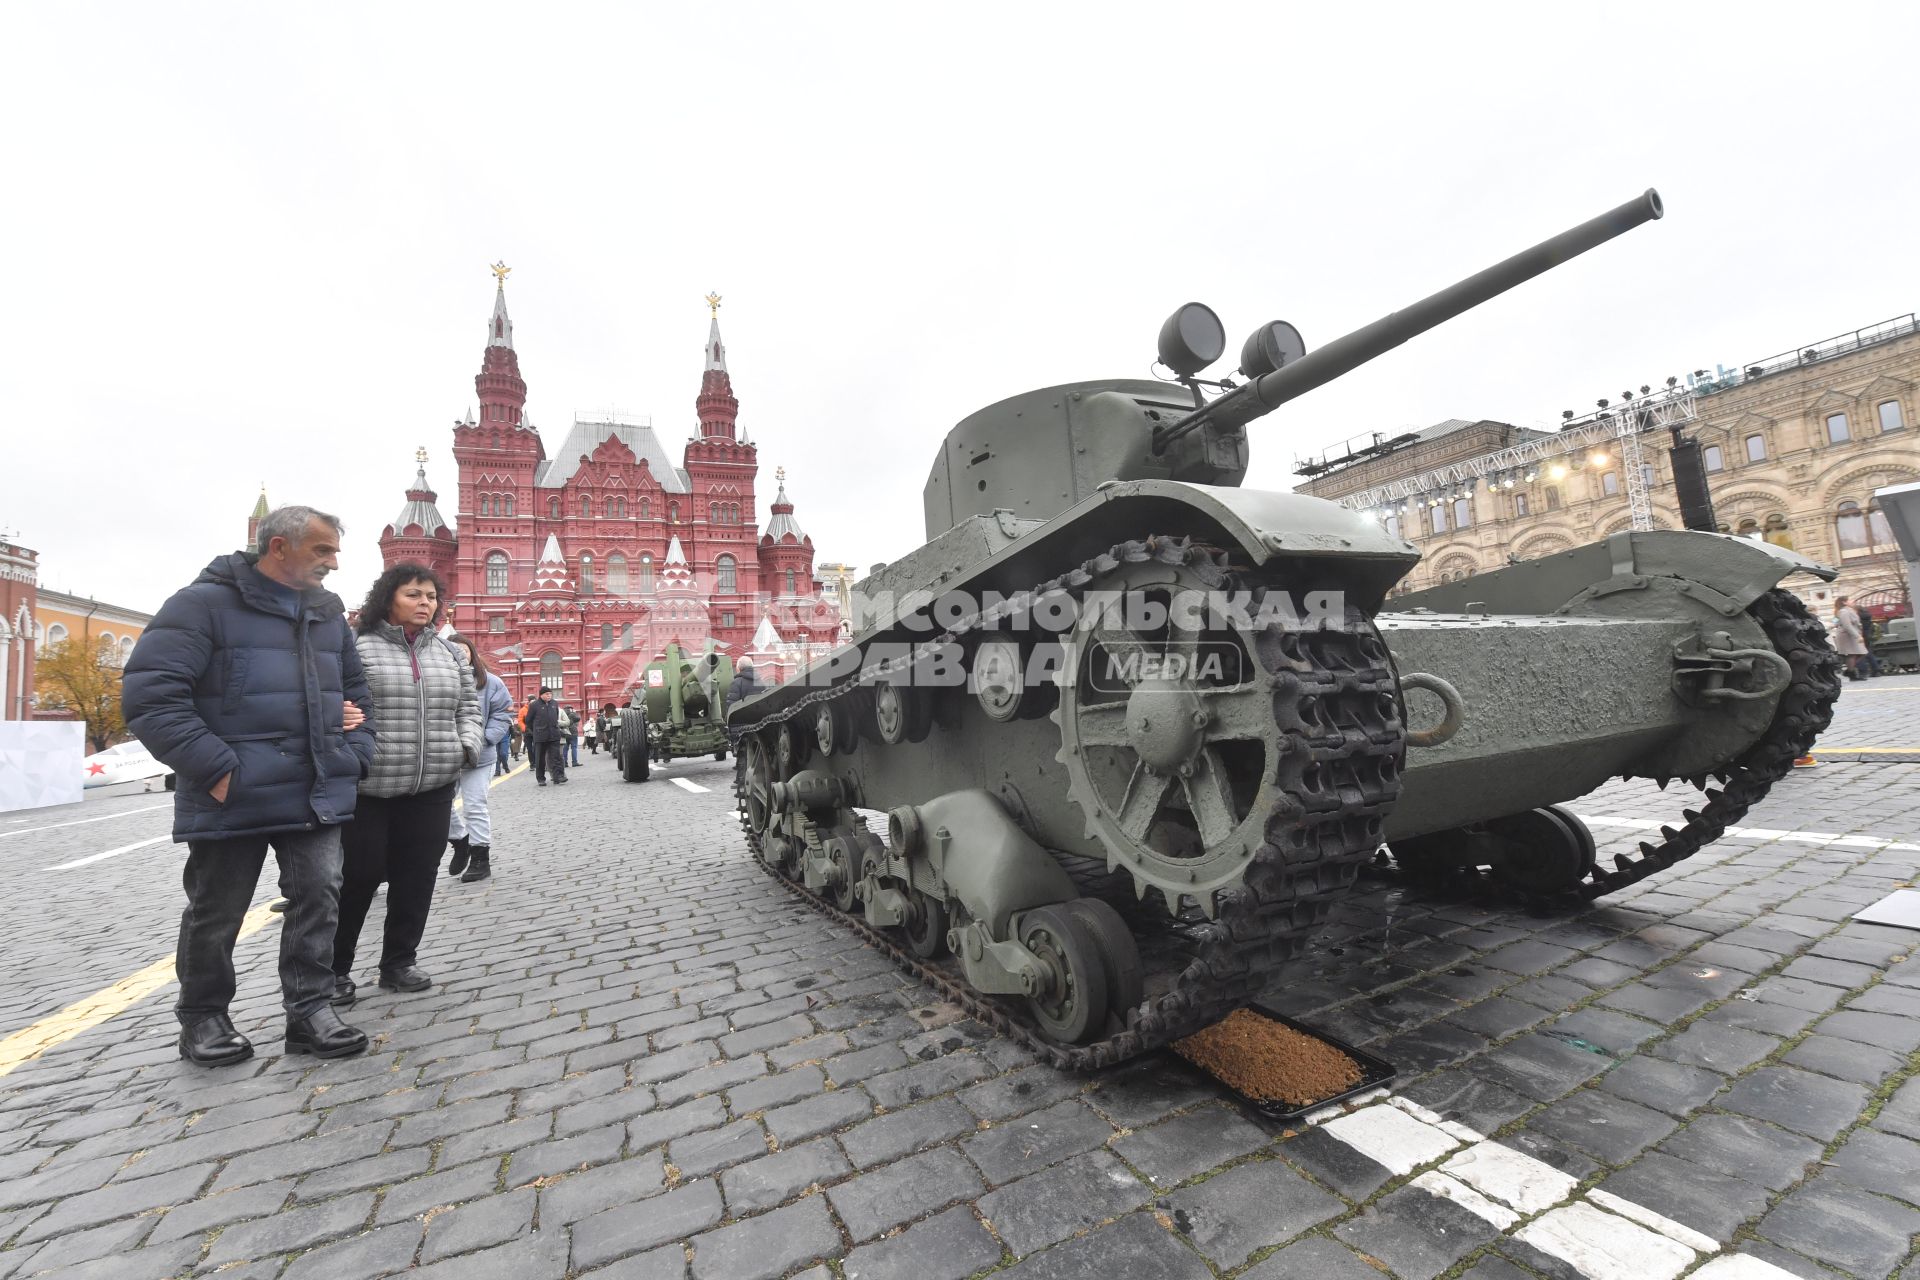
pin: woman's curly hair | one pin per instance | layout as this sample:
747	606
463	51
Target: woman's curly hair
379	601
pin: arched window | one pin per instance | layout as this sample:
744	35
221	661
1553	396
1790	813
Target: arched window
496	573
55	634
617	574
586	505
586	573
1553	498
1713	459
673	513
1520	505
1392	526
1890	417
1610	483
1438	515
550	670
1462	512
646	508
725	581
509	504
1838	432
553	508
713	513
623	508
792	579
1862	533
646	574
1756	448
606	635
626	635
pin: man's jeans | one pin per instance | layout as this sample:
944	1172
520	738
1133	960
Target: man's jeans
500	754
573	752
220	877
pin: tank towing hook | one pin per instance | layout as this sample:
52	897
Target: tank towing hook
1703	663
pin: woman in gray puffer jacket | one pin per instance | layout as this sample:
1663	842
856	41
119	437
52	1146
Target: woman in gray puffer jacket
426	717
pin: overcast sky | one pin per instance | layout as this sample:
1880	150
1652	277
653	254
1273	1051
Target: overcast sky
250	243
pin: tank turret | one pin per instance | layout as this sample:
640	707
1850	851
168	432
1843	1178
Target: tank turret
1040	452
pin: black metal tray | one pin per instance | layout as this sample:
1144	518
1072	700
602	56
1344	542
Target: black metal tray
1375	1071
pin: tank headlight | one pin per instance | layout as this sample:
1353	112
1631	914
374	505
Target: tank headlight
1191	339
1267	348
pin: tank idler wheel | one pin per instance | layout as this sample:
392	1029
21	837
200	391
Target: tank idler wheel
755	786
1071	1007
1581	832
926	928
901	713
1546	854
1126	979
721	754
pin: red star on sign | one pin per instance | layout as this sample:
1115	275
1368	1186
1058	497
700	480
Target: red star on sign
93	770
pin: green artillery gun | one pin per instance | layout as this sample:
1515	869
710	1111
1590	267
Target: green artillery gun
678	711
1135	728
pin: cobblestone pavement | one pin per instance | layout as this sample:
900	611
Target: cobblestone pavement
641	1058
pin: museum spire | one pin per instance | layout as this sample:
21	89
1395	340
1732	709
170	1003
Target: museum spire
718	407
503	393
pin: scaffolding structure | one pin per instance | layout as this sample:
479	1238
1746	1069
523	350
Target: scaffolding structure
1621	426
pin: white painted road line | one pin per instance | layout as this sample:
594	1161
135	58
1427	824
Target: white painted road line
111	853
1760	833
684	785
1600	1235
81	822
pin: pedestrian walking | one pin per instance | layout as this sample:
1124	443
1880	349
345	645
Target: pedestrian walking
519	733
471	827
425	710
571	735
543	739
1849	637
593	735
248	686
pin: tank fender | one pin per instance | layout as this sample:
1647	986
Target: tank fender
1737	571
985	860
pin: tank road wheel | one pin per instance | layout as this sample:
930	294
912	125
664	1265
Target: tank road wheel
1547	852
926	927
1126	980
1176	727
901	713
997	677
789	750
844	854
1072	1007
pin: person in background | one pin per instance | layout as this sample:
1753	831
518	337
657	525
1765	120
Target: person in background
1849	637
543	739
426	716
471	828
570	734
744	684
592	731
248	686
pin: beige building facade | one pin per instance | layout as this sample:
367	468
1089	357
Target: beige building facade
1794	447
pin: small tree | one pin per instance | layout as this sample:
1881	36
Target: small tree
86	682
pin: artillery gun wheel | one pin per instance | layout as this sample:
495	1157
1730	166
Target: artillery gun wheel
634	763
1072	1008
901	713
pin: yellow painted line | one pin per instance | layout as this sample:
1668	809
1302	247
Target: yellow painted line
56	1029
1821	748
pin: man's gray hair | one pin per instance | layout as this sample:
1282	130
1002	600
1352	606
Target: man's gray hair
292	524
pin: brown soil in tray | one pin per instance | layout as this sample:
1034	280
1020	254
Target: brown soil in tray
1268	1062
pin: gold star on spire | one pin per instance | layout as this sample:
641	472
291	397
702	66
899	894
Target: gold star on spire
420	454
780	474
713	304
500	272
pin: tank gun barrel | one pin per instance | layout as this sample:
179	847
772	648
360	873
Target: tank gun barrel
1268	392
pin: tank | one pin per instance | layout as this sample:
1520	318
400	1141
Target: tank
675	710
1103	752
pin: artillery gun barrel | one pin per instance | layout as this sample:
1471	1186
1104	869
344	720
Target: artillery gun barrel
1266	393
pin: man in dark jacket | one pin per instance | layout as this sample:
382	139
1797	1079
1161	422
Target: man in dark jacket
545	740
248	686
744	685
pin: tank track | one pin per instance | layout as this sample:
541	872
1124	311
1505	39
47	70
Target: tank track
1805	711
1339	782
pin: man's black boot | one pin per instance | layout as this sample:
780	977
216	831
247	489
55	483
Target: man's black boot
481	867
344	992
462	851
322	1034
212	1042
411	978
